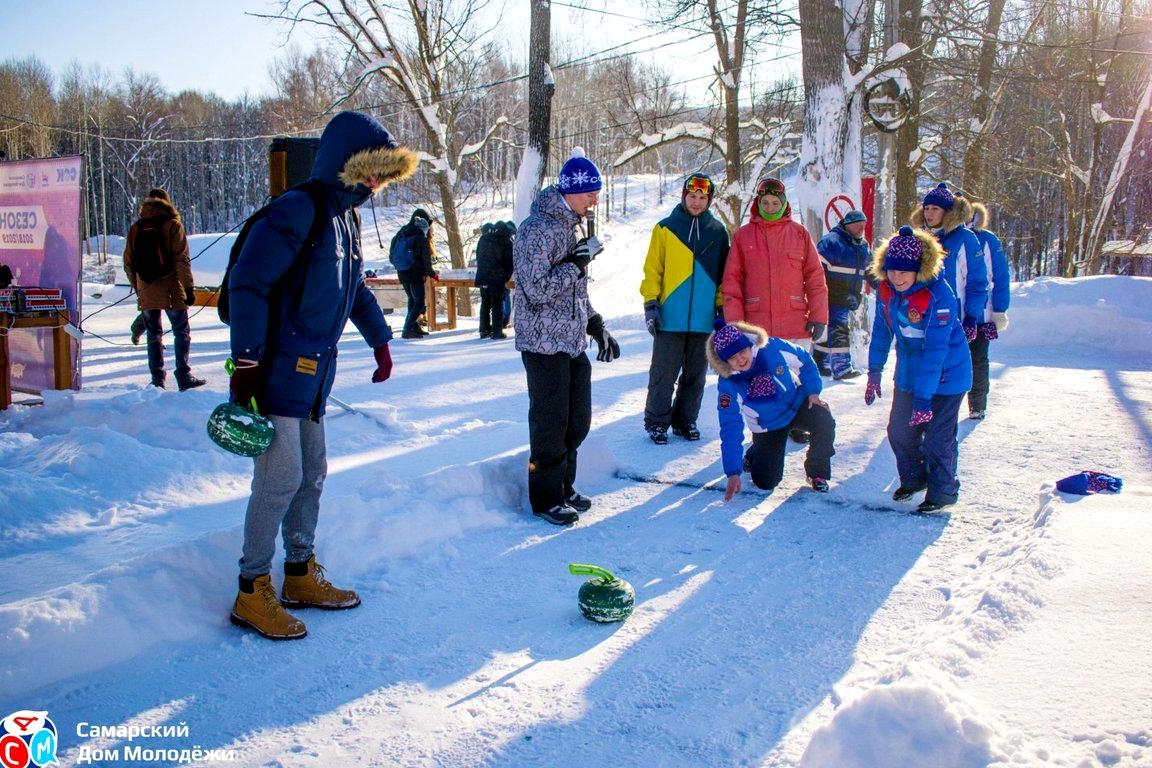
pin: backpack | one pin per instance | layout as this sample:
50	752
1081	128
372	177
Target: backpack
319	221
402	252
150	259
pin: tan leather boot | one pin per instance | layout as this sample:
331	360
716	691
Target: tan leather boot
261	611
312	590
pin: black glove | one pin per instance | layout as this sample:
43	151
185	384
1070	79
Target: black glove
652	316
852	302
580	255
190	296
609	349
815	330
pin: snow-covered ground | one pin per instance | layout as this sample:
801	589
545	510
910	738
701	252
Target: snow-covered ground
789	630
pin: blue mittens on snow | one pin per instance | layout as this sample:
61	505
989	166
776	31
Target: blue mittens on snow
1088	482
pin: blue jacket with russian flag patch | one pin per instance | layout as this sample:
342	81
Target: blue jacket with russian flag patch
963	265
932	356
796	378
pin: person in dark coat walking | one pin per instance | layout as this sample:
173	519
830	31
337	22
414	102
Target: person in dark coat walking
288	313
159	268
493	271
418	232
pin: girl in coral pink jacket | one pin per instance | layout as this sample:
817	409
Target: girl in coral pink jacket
773	278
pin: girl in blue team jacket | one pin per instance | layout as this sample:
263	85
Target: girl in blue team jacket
996	314
773	386
916	307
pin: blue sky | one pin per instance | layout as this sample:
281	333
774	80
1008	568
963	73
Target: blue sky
215	46
209	45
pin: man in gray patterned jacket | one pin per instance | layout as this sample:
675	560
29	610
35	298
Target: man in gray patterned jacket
553	322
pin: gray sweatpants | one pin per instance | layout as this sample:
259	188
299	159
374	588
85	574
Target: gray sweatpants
286	485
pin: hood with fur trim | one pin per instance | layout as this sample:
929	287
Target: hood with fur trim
931	257
158	207
960	214
759	338
354	147
979	216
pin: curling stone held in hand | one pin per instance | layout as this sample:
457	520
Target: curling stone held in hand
603	598
239	430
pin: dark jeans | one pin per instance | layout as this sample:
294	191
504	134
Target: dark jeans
491	309
978	395
416	303
178	319
768	448
675	354
926	455
559	415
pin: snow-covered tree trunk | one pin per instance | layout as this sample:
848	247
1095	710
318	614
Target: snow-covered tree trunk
830	154
909	152
541	86
729	65
975	158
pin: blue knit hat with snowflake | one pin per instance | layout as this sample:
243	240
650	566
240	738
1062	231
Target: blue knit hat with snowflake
941	196
579	175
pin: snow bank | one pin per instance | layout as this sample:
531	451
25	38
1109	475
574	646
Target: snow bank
1106	313
901	725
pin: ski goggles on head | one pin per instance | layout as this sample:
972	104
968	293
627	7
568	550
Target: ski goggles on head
698	184
773	187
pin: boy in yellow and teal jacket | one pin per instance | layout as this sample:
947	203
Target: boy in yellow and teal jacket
681	291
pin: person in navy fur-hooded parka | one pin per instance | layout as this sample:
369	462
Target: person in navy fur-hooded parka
288	311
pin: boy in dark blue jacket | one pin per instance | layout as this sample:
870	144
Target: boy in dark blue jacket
773	386
845	256
916	307
289	309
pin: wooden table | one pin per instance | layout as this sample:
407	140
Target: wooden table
61	349
450	286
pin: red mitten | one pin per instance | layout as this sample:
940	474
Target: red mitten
383	363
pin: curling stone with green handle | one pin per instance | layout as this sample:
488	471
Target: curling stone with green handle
604	598
240	430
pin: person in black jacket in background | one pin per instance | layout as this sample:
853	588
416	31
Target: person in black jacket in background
414	277
493	271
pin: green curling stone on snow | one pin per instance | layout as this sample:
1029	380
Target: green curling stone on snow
603	598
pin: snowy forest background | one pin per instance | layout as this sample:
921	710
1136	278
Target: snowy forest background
1037	107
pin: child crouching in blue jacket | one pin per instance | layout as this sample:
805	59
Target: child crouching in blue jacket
773	386
916	307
